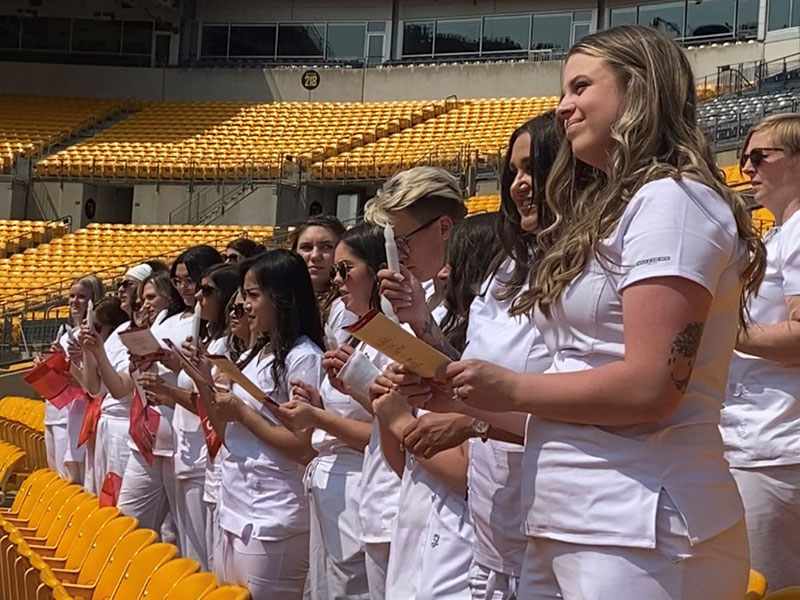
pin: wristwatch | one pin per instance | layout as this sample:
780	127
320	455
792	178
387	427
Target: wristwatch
481	429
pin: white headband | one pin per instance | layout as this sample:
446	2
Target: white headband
139	272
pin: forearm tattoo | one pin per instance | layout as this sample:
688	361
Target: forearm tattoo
683	353
434	336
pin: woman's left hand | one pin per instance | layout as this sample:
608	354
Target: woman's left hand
482	384
298	415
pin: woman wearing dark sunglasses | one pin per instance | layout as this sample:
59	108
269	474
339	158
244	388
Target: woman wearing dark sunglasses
352	488
761	414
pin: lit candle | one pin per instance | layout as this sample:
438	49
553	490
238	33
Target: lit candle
331	343
196	325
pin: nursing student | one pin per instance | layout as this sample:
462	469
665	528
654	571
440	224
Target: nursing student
62	426
349	478
761	415
263	505
639	298
500	329
423	205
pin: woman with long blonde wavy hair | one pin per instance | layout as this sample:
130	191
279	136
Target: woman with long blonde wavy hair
639	298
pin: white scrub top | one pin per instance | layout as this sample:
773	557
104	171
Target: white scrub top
261	487
496	496
119	359
53	415
761	416
600	485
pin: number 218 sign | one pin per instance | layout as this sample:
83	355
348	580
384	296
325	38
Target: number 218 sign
311	80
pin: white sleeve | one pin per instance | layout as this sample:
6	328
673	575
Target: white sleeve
306	366
790	257
669	231
339	318
117	354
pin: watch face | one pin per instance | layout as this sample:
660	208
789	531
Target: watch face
480	427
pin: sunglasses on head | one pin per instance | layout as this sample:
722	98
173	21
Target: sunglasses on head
233	258
342	269
237	310
756	156
207	290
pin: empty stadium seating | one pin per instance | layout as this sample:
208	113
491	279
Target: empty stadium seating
104	249
15	235
56	542
477	129
211	140
483	204
727	119
22	424
29	124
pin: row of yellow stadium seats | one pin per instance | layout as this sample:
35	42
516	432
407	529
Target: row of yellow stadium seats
208	171
59	543
22	424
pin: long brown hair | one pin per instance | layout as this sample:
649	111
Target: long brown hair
656	136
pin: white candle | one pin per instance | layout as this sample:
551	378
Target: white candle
196	325
90	315
331	343
391	249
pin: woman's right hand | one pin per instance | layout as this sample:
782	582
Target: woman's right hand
334	360
227	407
405	293
87	340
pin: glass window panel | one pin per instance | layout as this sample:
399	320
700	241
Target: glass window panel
301	40
215	40
9	32
582	16
795	13
506	33
710	18
581	31
667	17
623	16
137	37
552	31
418	38
96	36
346	41
458	37
747	18
252	40
778	14
375	26
46	34
375	50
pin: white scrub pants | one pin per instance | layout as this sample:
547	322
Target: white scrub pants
376	557
338	569
212	533
109	453
673	570
148	493
75	457
271	570
771	497
190	519
488	584
447	552
56	441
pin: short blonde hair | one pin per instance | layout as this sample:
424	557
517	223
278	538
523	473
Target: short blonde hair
785	127
425	192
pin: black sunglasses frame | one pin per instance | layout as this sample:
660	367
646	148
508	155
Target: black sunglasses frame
756	156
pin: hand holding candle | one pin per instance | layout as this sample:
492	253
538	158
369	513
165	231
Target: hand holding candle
90	315
331	343
196	325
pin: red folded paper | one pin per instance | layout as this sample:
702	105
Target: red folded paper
90	419
49	379
144	426
109	493
213	441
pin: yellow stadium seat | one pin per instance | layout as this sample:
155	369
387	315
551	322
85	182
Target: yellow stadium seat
168	576
228	592
141	567
193	587
756	586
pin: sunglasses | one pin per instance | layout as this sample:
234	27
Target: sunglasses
232	258
237	310
125	284
404	241
178	282
756	156
207	290
342	269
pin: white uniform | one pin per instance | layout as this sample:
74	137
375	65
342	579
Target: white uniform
148	492
56	434
338	569
263	506
109	453
649	510
495	467
339	318
191	458
761	420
